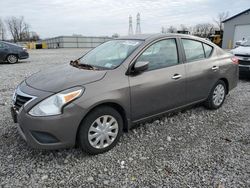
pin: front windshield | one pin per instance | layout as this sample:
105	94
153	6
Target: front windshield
110	55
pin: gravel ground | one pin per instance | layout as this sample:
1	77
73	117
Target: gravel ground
192	148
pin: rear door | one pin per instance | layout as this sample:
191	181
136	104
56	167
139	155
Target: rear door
162	87
202	69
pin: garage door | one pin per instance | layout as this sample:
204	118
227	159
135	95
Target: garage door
241	31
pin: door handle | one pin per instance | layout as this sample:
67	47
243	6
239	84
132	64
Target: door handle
176	76
215	68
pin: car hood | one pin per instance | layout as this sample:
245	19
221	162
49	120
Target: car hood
241	50
63	77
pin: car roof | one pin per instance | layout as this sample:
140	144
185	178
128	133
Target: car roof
146	37
157	36
9	43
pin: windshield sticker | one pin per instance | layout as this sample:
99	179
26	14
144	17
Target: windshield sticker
130	43
108	65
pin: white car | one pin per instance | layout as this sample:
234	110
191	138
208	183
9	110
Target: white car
243	54
239	42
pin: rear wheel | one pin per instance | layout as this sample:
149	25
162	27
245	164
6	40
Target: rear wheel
12	58
100	130
217	96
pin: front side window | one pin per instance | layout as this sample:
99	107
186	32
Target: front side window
110	55
161	54
193	50
1	45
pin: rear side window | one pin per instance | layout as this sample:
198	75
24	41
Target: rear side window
208	49
161	54
193	50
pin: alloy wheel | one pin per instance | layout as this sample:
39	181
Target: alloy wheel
12	59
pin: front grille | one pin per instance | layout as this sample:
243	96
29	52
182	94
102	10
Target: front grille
20	101
242	62
242	55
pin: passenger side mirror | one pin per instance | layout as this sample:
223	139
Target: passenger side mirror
140	66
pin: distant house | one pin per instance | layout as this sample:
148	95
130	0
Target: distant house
236	28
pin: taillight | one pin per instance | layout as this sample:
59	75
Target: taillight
235	60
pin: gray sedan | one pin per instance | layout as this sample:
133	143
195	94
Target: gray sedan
11	52
92	100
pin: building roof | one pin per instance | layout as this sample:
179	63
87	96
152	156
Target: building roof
245	11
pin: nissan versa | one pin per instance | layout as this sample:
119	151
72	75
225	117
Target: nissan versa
92	100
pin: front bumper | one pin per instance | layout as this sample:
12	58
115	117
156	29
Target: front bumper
24	55
244	70
50	132
244	65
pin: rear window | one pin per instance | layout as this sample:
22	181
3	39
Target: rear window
208	49
193	50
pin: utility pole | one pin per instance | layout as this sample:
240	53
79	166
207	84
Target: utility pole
138	24
130	30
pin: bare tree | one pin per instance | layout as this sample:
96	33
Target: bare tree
220	18
18	28
2	30
204	29
171	29
33	36
183	27
163	30
115	35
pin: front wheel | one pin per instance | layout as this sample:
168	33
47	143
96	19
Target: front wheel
12	58
217	96
100	130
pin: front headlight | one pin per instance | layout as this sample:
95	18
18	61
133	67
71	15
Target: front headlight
53	105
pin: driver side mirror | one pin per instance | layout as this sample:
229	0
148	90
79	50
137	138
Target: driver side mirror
140	66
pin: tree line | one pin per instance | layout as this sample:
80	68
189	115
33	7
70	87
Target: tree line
201	29
17	28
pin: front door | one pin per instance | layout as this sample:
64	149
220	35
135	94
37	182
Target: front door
162	87
3	52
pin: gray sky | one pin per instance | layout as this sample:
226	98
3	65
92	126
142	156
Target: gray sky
104	17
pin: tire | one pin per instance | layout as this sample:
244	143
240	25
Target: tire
217	96
12	58
93	130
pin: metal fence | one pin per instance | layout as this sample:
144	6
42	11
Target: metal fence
75	41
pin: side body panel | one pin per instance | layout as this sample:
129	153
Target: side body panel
113	88
4	52
201	78
155	91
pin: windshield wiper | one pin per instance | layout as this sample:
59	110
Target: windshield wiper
79	65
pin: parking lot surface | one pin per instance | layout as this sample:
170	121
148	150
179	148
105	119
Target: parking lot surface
192	148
